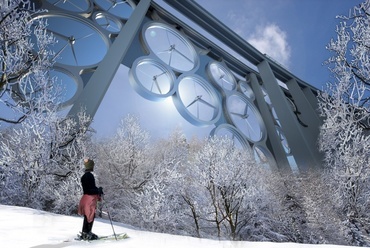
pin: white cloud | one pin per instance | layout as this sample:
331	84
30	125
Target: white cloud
267	38
272	41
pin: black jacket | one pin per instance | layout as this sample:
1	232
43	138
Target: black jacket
88	184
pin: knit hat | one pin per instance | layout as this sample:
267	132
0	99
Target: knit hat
89	164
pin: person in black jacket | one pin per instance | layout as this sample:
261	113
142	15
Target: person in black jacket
88	202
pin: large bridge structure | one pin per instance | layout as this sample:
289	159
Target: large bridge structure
175	48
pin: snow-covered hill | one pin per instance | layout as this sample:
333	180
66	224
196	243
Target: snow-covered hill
29	228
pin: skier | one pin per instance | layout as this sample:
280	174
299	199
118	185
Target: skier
88	202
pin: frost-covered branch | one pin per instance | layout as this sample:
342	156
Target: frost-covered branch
344	104
24	51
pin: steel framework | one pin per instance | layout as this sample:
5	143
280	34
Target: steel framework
276	118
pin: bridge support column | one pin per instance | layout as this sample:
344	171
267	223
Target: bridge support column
301	148
274	140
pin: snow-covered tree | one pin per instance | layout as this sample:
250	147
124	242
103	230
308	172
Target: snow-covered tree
344	104
124	166
24	51
160	203
307	213
40	150
224	190
40	156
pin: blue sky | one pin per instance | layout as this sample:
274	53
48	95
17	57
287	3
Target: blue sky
293	32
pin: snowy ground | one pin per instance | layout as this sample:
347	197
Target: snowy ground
24	227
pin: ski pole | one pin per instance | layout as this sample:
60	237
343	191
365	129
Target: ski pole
111	223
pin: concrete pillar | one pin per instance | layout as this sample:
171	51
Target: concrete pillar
312	99
276	146
302	150
308	116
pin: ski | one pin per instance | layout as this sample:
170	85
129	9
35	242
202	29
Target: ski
113	237
118	236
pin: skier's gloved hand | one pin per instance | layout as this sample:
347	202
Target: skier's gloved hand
100	190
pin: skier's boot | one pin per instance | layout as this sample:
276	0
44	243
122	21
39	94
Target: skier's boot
84	236
89	236
93	236
86	233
